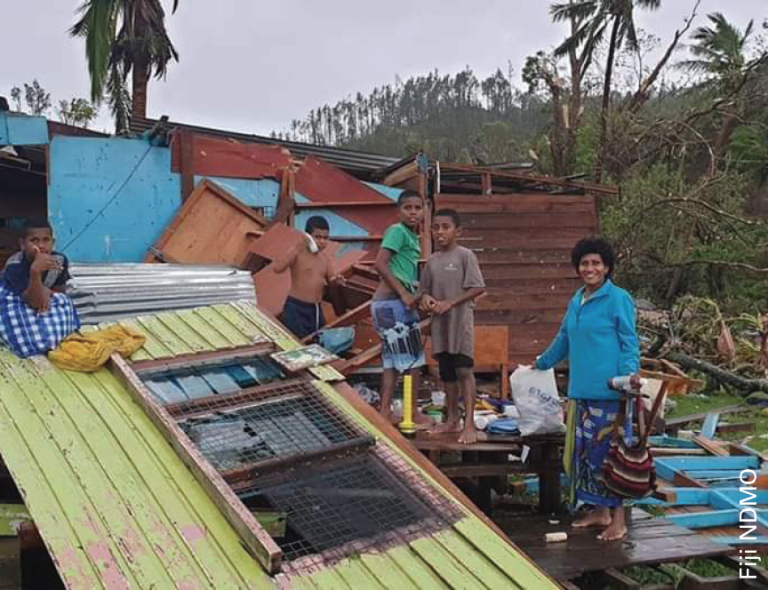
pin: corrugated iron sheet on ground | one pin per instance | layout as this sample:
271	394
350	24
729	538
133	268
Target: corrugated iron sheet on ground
107	292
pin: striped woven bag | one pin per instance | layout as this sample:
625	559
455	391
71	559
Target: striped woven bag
628	470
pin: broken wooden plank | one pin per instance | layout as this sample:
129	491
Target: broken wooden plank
710	424
710	446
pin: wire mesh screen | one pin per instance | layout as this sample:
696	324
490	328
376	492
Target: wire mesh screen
366	502
282	421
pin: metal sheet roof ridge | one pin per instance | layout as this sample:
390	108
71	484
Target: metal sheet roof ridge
367	161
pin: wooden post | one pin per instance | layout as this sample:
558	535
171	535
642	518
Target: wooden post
549	478
186	155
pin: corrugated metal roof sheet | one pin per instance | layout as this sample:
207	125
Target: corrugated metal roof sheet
109	292
349	160
117	508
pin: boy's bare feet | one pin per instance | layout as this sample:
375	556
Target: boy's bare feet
597	517
451	427
471	435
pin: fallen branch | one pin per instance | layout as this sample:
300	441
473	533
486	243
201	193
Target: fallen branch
743	384
721	263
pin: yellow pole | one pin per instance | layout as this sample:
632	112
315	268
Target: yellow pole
407	426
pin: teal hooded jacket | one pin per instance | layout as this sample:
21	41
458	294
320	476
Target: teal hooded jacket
599	340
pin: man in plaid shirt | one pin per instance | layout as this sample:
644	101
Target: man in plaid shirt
35	314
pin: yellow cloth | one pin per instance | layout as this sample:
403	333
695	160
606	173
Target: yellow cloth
570	446
87	353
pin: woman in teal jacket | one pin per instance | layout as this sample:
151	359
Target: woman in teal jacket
599	339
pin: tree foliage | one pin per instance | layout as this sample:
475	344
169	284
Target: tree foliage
122	38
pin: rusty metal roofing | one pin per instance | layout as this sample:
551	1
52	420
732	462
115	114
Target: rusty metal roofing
355	162
117	508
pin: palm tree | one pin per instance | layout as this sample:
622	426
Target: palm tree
594	17
719	51
124	37
720	55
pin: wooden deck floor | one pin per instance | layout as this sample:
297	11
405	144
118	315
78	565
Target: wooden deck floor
650	540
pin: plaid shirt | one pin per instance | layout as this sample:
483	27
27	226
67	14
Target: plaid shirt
26	331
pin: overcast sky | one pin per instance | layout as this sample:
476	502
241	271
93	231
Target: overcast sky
252	66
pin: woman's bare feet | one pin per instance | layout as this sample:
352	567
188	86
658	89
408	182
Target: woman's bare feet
618	527
597	517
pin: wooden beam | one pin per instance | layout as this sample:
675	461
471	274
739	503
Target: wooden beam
201	360
243	477
680	420
487	184
530	178
186	158
343	204
251	533
710	446
402	174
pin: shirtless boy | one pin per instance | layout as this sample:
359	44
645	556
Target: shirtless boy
311	272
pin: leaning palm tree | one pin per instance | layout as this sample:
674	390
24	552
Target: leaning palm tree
124	37
595	17
719	51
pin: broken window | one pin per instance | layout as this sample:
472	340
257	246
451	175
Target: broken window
318	483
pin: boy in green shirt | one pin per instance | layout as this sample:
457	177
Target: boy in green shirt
394	304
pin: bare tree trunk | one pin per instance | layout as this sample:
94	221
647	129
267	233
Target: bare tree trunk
140	79
598	173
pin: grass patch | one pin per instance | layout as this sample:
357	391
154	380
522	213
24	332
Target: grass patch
694	404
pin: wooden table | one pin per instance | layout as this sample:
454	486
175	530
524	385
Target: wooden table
489	460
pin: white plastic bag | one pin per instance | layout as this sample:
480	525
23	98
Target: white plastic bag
535	395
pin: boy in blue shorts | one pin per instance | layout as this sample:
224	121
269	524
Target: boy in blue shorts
394	304
35	313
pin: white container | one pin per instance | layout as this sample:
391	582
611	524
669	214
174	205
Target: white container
483	421
511	411
438	398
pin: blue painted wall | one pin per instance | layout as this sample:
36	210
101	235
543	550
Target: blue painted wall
254	193
109	199
19	129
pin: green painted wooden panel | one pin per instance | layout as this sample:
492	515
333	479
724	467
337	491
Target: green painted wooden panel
11	516
152	348
232	315
191	338
356	575
59	534
452	572
329	579
519	567
418	571
157	330
388	573
212	337
119	496
122	511
92	547
228	334
162	462
483	569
